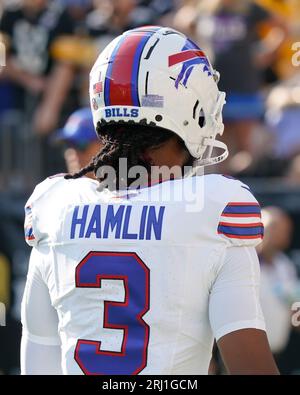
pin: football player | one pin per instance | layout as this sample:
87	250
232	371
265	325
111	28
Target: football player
141	280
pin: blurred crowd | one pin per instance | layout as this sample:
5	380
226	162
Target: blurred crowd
50	46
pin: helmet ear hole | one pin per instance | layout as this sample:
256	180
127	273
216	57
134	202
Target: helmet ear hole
201	119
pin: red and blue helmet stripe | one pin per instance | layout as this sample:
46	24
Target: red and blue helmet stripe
121	82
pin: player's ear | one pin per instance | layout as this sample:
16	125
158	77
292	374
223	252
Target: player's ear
158	154
147	157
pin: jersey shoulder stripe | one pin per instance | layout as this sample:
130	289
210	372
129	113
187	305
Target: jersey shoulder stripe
33	211
242	208
28	226
246	225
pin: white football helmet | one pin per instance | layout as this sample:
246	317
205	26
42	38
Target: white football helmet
157	76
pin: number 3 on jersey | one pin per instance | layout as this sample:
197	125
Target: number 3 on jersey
126	315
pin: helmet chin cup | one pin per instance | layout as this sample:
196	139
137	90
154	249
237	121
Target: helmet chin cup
199	164
211	143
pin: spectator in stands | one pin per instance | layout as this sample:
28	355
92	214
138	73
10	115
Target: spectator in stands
28	31
283	118
79	50
78	9
227	29
290	11
80	138
279	282
111	17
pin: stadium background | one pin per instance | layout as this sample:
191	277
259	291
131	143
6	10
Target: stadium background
50	47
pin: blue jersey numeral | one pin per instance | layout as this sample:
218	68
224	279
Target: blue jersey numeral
127	315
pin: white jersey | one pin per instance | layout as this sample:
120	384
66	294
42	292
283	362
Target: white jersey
141	283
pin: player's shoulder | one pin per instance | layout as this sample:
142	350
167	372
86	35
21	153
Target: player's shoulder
222	188
57	185
235	207
214	189
47	186
45	207
219	208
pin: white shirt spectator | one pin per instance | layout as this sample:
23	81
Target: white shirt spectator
278	285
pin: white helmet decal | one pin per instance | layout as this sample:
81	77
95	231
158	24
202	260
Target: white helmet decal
157	76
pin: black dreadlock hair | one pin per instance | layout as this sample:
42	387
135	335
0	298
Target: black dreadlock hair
124	141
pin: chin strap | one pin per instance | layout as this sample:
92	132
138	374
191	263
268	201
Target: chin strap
212	143
200	163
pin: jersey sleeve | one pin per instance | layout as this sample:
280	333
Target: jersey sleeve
40	323
234	302
33	361
240	220
39	318
38	210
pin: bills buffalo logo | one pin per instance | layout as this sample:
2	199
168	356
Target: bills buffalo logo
189	57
